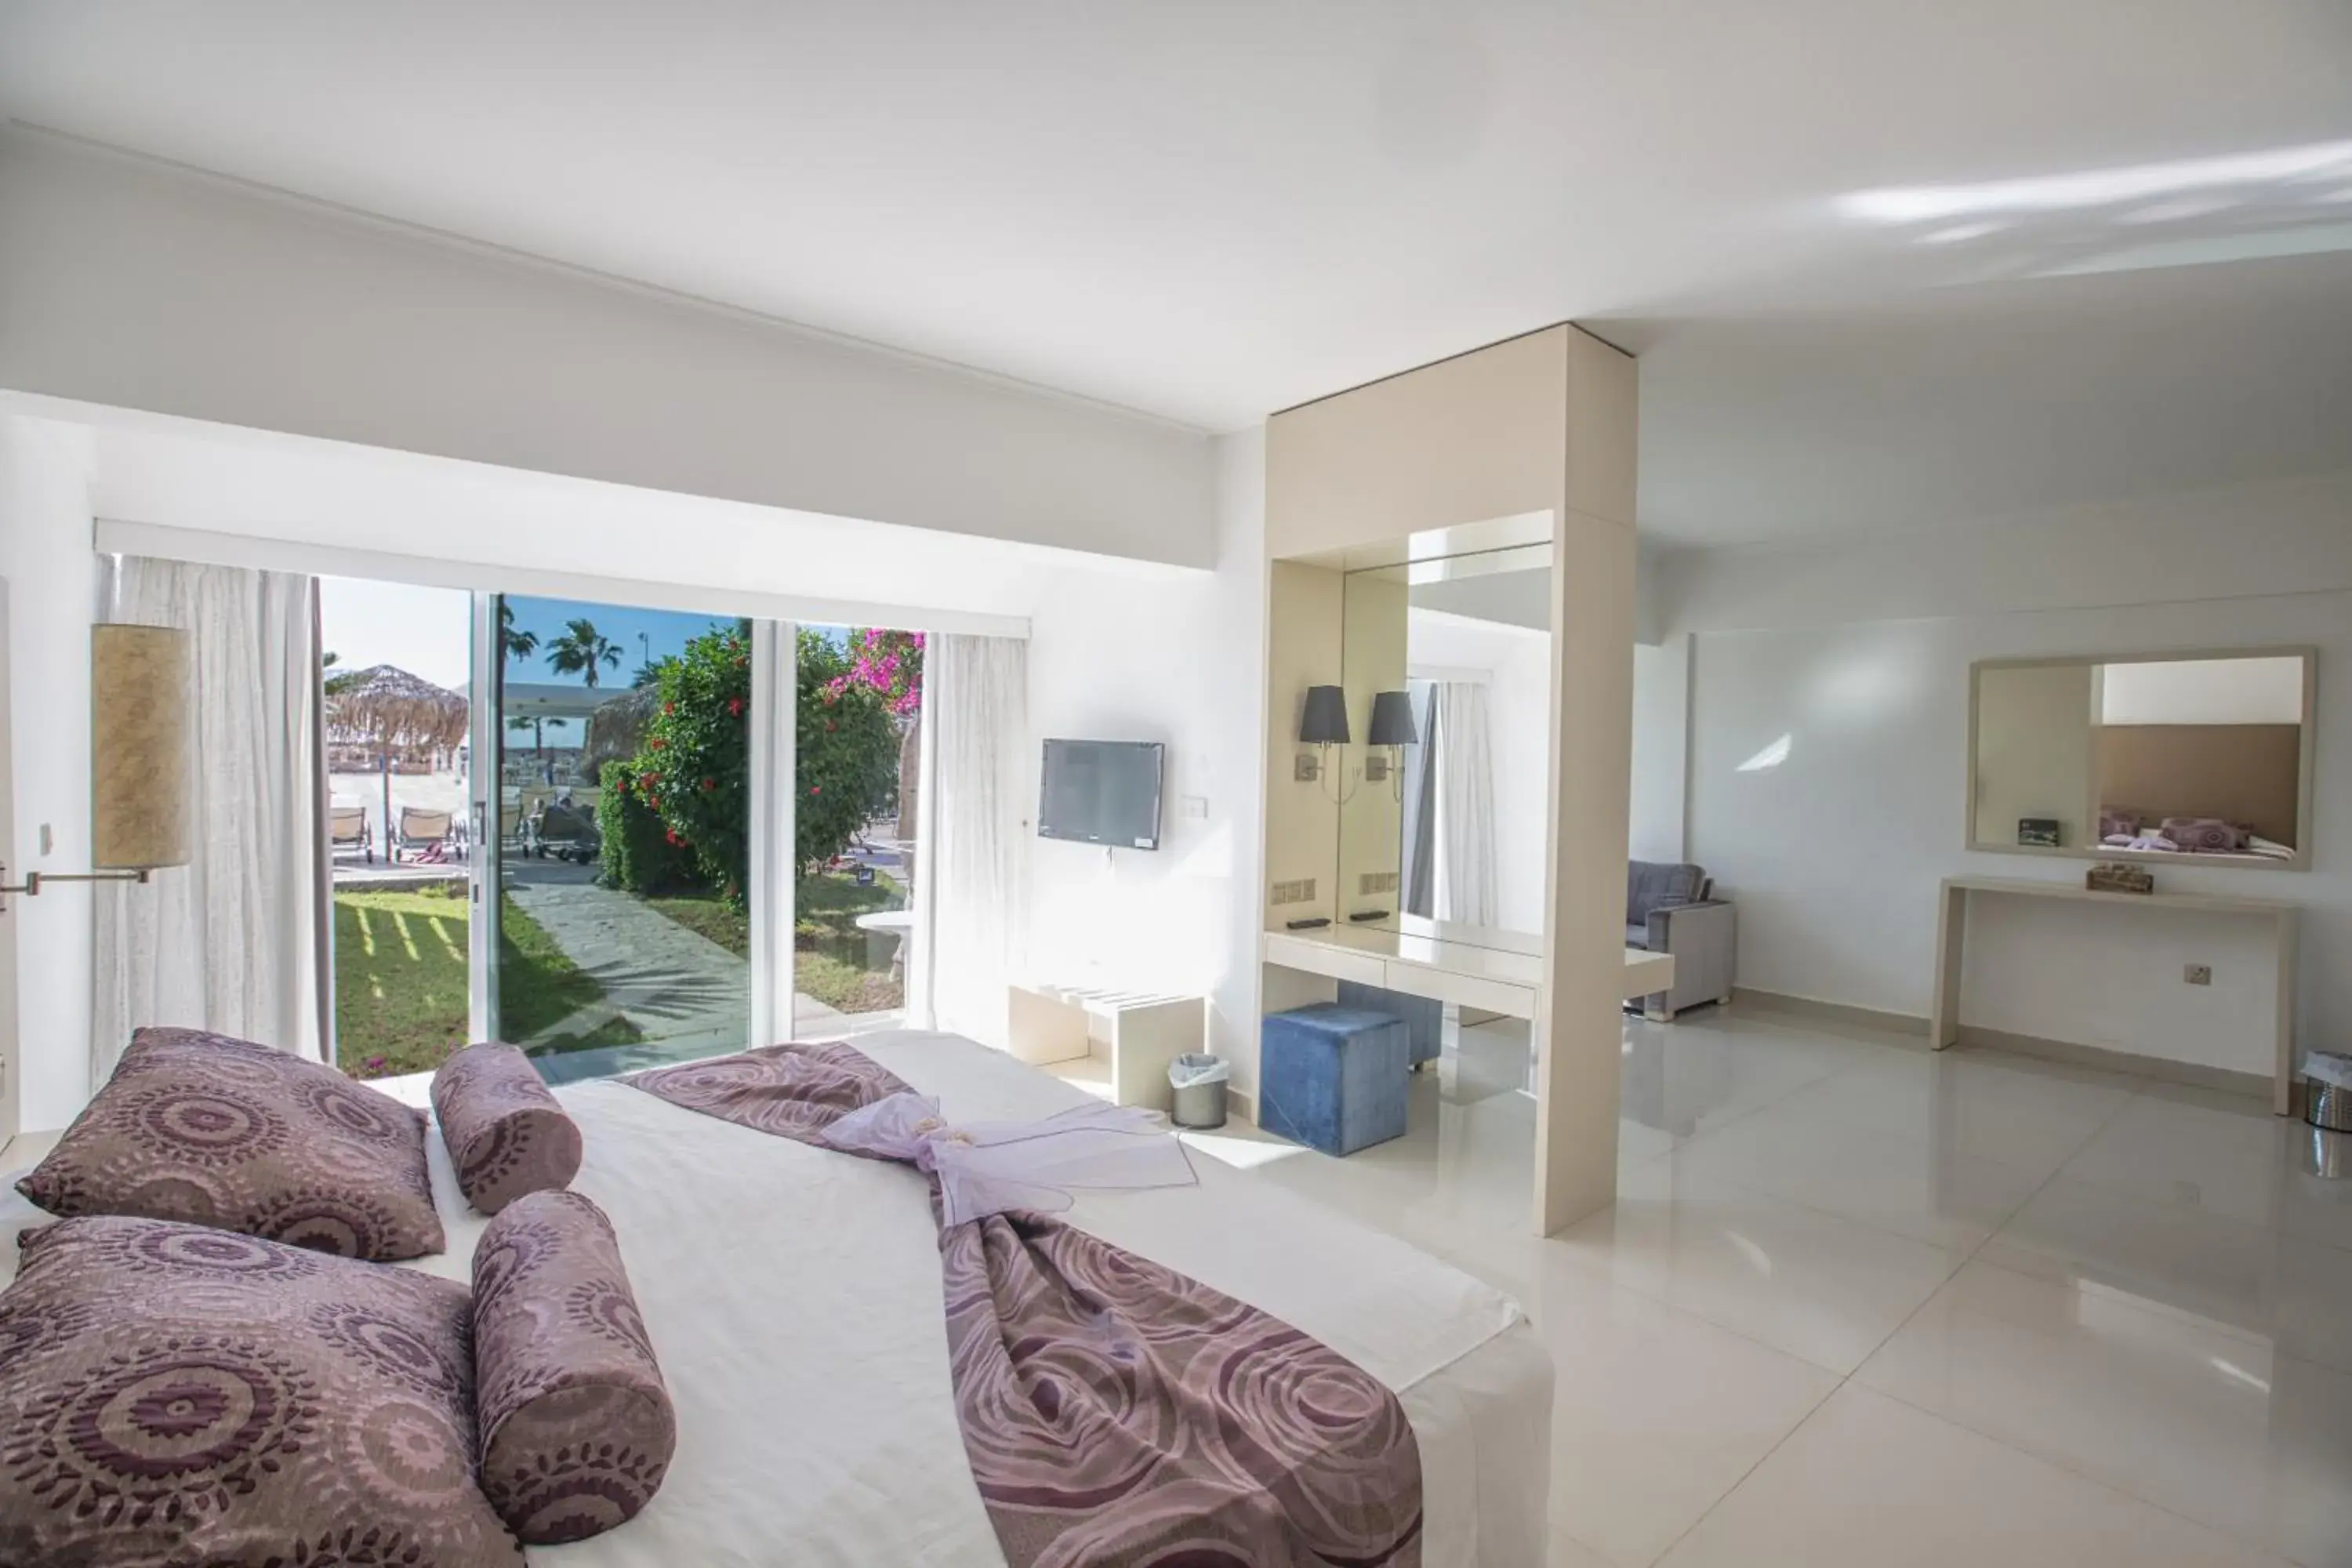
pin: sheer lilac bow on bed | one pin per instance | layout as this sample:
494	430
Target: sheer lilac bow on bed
1002	1167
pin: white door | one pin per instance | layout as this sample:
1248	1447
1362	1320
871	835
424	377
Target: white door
9	1067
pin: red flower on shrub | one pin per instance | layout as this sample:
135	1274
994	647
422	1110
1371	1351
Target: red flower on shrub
735	706
669	707
817	789
708	784
676	839
657	743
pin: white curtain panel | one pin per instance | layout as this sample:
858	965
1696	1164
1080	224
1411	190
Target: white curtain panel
970	850
234	940
1465	805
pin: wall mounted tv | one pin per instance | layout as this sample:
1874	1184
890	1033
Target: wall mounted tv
1101	792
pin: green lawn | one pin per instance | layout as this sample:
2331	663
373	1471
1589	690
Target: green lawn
829	950
708	914
400	982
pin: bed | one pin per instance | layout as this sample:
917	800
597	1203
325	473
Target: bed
794	1295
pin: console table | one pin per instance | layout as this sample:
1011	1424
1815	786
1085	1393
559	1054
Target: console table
1500	980
1951	936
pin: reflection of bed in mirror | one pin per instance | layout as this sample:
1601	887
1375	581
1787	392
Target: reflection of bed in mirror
2201	756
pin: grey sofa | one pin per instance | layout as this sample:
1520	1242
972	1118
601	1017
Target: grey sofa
1669	908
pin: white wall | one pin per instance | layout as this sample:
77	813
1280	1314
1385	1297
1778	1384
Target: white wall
44	554
1661	749
1181	662
1516	663
1835	855
136	284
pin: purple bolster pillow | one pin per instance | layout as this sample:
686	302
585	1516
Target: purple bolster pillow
507	1134
576	1424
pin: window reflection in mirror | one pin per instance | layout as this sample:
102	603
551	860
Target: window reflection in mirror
1446	666
2158	758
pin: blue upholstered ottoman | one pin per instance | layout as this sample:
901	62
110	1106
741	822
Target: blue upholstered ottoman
1333	1077
1425	1016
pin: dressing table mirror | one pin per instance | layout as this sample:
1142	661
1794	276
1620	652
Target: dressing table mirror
1447	680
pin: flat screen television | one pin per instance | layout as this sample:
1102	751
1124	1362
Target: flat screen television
1101	792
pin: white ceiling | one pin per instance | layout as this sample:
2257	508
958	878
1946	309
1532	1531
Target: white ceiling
1212	209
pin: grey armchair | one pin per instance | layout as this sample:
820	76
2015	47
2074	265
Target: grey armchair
1669	908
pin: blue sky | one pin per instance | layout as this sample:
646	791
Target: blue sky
641	634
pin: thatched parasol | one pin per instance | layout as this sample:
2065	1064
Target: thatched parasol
389	710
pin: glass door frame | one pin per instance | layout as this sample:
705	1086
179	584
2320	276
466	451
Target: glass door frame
485	768
770	885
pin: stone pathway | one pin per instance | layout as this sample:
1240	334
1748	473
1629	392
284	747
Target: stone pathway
689	996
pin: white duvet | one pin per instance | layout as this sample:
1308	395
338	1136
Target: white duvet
794	1295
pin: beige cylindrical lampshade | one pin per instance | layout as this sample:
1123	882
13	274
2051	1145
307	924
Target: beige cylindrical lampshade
140	767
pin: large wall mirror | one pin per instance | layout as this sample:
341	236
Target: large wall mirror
2156	757
1446	680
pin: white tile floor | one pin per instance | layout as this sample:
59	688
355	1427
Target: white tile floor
1862	1304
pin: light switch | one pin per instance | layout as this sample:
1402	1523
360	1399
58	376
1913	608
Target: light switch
1196	808
48	839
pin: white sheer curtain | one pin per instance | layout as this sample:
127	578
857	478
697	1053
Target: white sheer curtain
1465	804
235	940
969	846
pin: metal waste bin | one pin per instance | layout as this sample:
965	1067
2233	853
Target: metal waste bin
1199	1082
2327	1106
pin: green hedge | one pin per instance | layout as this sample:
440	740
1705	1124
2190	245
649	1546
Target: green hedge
638	856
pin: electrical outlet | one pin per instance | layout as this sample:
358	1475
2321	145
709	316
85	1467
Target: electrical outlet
2198	975
1306	768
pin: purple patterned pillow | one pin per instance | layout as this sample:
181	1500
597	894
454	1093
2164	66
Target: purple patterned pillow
576	1423
506	1133
171	1394
2206	833
224	1132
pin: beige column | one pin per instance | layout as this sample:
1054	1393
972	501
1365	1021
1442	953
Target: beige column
1581	1032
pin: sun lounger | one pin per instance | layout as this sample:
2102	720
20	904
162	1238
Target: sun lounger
347	830
430	836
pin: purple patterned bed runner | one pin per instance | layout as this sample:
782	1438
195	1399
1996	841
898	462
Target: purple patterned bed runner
1115	1412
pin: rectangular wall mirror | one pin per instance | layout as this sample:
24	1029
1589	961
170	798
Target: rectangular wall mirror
1447	676
2156	757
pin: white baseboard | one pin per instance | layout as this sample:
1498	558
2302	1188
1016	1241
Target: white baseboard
2161	1069
1831	1012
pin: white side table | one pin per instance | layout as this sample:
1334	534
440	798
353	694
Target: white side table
1146	1031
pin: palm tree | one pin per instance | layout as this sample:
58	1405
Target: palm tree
580	649
514	644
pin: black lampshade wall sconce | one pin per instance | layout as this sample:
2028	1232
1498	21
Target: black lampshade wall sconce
1323	724
1393	728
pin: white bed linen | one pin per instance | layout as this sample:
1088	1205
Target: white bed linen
794	1295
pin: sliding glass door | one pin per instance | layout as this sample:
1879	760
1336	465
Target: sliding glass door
856	769
616	836
618	862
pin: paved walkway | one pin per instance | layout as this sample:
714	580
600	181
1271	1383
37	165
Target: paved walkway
689	996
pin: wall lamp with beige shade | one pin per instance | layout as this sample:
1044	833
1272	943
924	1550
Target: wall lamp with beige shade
139	761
